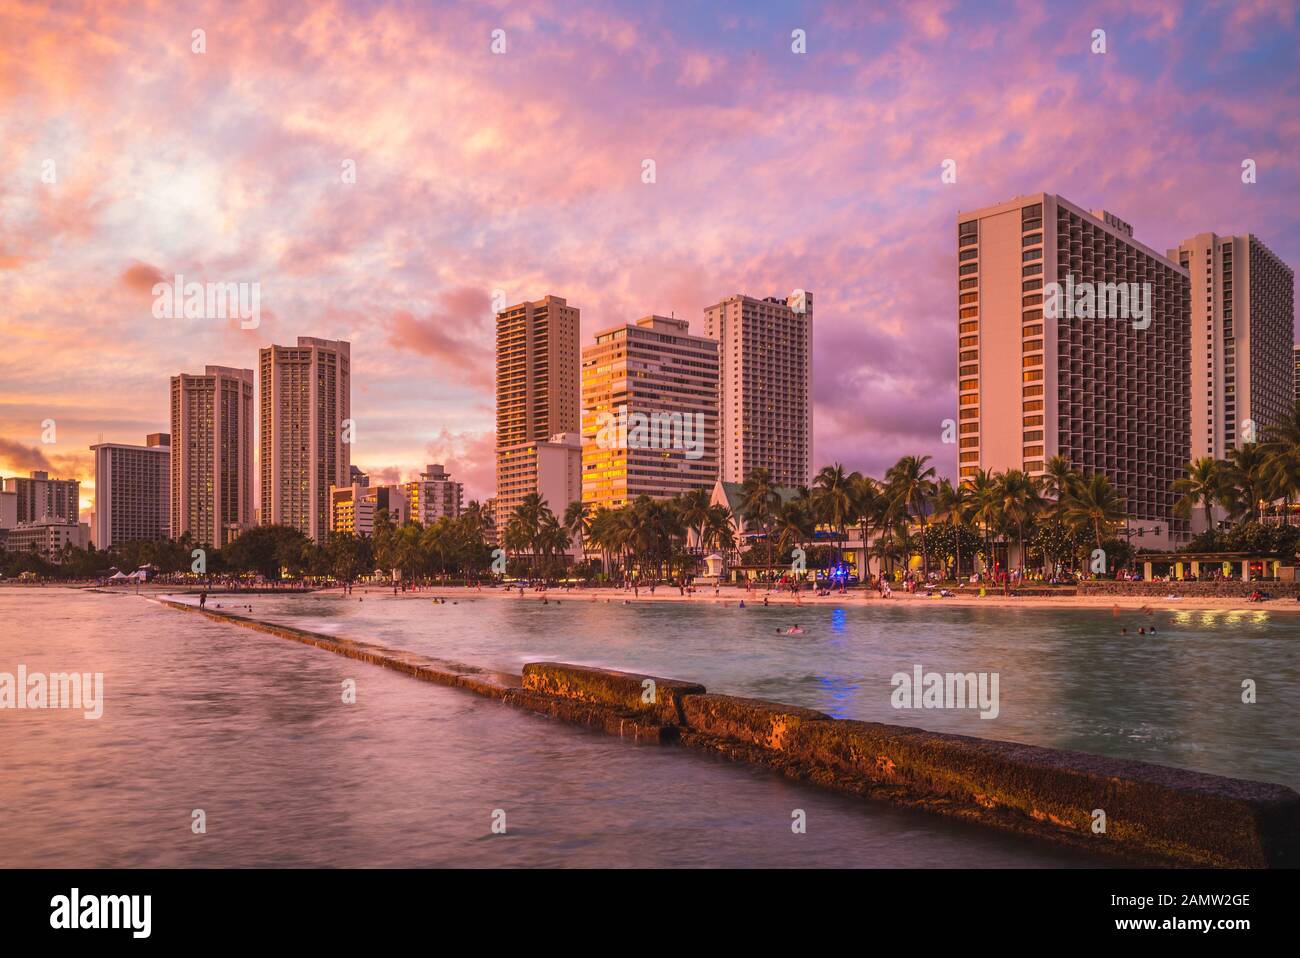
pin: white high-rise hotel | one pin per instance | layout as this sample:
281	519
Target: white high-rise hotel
212	455
765	382
304	399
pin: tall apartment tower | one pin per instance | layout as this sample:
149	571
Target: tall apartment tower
1110	397
304	410
1295	354
537	392
132	491
38	498
765	377
649	412
1243	312
212	455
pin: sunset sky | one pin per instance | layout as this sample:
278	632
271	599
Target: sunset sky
521	172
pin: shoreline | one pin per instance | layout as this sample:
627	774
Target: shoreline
733	595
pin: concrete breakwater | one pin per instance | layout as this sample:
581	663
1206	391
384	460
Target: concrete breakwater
1149	814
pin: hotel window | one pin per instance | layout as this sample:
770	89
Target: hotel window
970	283
1035	466
968	328
1030	285
968	312
968	384
1033	391
968	269
969	370
969	414
968	298
968	254
970	457
969	400
1032	375
1032	330
1028	254
1029	239
969	355
1035	300
969	341
971	443
1032	270
1034	435
1034	421
1033	405
969	427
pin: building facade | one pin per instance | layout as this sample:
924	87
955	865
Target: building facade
354	509
1242	355
765	383
38	498
649	412
434	495
211	457
537	391
132	491
304	410
46	537
1111	395
552	468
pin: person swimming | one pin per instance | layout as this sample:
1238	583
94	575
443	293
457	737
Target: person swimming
793	630
742	603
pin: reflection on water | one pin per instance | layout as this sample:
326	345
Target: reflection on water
1068	679
252	730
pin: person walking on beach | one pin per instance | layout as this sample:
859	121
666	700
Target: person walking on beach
203	600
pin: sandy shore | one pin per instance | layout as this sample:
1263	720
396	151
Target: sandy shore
732	595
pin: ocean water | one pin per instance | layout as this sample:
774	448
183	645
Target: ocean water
252	731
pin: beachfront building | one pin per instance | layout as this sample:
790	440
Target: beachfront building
552	468
46	538
304	410
1242	352
434	495
132	491
355	509
649	412
765	377
1112	393
211	455
38	498
537	357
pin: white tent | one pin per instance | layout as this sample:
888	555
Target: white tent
118	576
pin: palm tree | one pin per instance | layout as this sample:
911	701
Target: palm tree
1204	485
952	505
833	500
577	522
1094	505
694	507
913	483
1246	479
1281	448
793	524
1021	502
1059	480
986	508
866	508
758	502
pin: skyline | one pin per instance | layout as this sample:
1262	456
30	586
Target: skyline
456	182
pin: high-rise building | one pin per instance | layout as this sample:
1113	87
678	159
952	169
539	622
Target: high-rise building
38	498
1111	395
211	463
1243	312
537	390
434	495
132	491
765	382
304	401
649	412
357	477
1295	352
552	468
